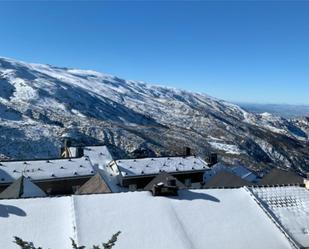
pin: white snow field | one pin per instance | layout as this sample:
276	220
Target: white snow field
200	219
228	148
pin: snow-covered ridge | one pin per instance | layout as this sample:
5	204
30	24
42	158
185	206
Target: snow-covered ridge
42	103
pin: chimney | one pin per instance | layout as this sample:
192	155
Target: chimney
67	143
79	152
187	151
212	159
65	152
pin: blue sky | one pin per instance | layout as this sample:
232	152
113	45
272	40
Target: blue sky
242	51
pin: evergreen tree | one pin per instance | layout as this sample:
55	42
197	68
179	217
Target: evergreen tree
24	244
111	242
75	246
29	245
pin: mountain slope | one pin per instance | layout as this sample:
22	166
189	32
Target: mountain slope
283	110
40	104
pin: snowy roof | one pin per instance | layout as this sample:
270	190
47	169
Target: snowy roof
223	219
240	171
99	155
150	166
45	169
290	207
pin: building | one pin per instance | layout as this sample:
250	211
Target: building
213	218
240	171
53	176
289	207
22	188
137	173
95	185
225	179
281	177
164	184
100	157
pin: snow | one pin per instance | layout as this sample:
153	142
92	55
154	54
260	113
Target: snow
200	219
268	121
266	115
100	157
227	148
23	91
45	221
85	72
45	169
290	207
150	166
127	114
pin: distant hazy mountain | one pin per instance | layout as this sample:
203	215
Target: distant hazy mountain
286	111
41	104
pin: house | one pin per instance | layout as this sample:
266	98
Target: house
137	173
212	218
53	176
225	179
281	177
100	157
239	171
164	184
166	179
22	188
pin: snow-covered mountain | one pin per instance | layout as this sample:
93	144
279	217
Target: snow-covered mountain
283	110
40	104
